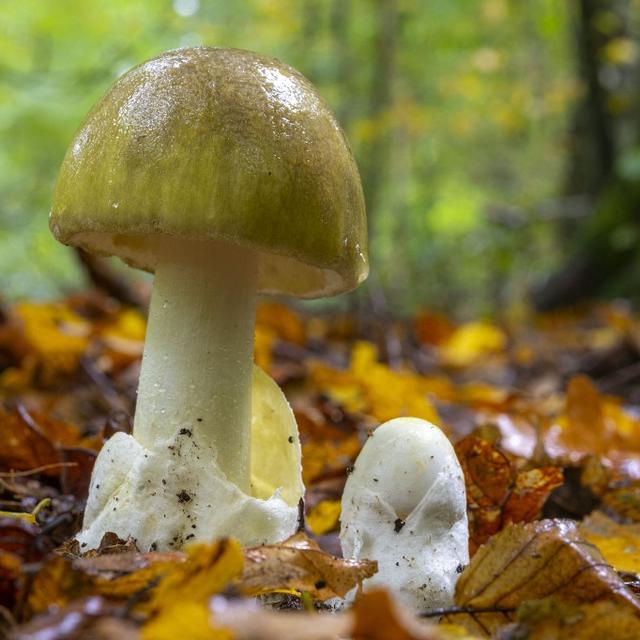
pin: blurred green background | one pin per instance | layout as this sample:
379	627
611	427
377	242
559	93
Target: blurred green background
498	140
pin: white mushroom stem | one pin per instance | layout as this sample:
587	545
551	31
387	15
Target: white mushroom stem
198	354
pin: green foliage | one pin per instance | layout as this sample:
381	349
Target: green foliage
456	115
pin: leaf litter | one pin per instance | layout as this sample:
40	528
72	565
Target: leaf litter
544	421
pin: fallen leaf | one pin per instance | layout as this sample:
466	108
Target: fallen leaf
497	493
372	388
32	440
624	501
282	321
298	564
207	569
530	562
618	543
324	517
377	618
156	579
57	338
191	620
471	343
328	449
433	328
248	621
593	423
550	619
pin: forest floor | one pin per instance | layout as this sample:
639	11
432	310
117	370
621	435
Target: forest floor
544	416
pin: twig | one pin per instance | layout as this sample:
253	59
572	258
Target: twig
451	611
27	517
36	470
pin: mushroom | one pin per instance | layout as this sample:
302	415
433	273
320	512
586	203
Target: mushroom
224	172
404	505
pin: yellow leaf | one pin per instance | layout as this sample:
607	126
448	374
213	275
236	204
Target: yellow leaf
324	517
373	388
283	322
471	343
184	620
208	569
618	543
129	324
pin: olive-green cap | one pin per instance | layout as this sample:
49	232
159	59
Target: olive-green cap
220	144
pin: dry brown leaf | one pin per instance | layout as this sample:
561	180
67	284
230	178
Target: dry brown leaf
497	493
299	564
550	619
162	578
530	562
31	440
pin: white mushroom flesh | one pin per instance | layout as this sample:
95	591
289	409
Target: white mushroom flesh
175	492
404	505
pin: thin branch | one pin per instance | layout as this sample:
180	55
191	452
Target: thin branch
451	611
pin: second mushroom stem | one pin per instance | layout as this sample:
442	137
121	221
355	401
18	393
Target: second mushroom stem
198	356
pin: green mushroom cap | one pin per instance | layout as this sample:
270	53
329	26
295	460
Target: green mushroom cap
220	144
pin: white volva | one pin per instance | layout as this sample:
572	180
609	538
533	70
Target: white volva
404	505
174	491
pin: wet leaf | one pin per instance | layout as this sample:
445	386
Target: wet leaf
31	440
551	619
618	543
593	423
498	493
533	561
298	564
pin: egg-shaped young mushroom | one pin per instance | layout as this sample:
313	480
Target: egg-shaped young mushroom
224	173
404	505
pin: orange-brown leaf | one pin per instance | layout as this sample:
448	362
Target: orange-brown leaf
299	564
497	493
533	561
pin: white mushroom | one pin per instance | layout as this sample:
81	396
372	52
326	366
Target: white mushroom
404	505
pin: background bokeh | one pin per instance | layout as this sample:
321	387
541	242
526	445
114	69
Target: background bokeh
498	140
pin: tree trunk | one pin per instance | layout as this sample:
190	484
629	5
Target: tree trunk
599	248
